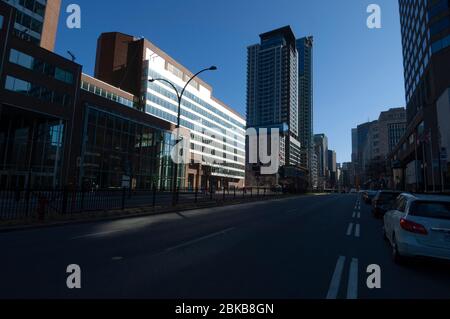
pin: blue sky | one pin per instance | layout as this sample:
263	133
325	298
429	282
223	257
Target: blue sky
357	71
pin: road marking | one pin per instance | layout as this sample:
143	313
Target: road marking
354	215
359	215
350	229
99	234
352	288
118	258
336	280
358	231
195	241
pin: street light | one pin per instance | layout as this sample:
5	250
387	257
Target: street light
180	98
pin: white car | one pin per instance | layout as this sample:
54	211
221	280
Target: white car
419	226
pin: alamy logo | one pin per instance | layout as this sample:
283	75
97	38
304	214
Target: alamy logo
74	279
374	19
374	279
74	19
213	148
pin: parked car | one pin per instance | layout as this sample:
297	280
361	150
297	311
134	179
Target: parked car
353	191
368	196
383	202
419	226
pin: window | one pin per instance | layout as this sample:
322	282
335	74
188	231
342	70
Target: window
21	59
400	204
16	85
1	22
36	91
40	66
437	210
63	76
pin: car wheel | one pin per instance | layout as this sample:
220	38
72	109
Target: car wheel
398	259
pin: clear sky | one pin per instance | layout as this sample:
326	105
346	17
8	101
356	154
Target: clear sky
358	72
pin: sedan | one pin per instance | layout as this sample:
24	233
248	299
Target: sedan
369	196
383	202
419	226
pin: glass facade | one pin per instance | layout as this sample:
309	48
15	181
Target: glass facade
219	139
425	25
117	150
37	91
31	150
40	66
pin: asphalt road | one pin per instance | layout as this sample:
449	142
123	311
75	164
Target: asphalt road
310	247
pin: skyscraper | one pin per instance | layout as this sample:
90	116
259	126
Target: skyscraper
272	90
305	92
37	20
425	29
354	145
306	100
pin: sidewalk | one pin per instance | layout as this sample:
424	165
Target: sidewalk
96	216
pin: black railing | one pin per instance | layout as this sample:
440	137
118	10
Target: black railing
22	204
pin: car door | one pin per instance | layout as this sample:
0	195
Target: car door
392	218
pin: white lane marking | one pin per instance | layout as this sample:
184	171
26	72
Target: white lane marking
350	229
352	288
358	231
336	280
99	234
354	215
359	215
118	258
195	241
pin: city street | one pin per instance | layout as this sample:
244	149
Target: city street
297	248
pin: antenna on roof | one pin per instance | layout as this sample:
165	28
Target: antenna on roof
72	56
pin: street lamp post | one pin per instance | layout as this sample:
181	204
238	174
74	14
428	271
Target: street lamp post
180	98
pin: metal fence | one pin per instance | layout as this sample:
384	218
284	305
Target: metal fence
20	204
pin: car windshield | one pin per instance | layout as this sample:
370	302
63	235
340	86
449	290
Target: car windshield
438	210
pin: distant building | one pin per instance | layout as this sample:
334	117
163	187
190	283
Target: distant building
321	150
314	171
381	138
332	168
354	145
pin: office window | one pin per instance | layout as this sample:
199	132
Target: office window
63	76
1	22
17	85
21	59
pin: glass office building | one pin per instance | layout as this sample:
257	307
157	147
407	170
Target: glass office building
425	30
217	133
118	150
